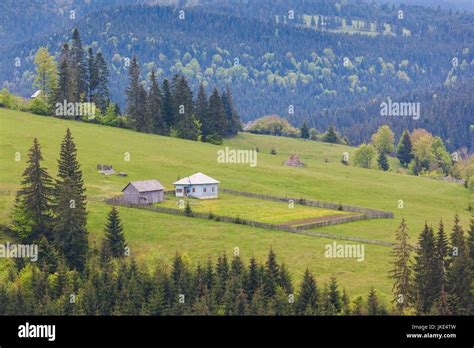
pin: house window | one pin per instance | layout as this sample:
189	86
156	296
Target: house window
194	189
204	189
213	189
179	190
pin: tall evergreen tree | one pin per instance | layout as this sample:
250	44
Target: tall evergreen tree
70	230
65	88
78	67
441	259
115	239
272	274
217	122
401	272
459	277
70	206
425	267
167	111
404	149
308	297
31	217
334	294
136	99
154	107
92	75
187	126
202	113
252	278
373	306
233	124
101	95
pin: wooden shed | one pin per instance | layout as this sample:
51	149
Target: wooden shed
143	192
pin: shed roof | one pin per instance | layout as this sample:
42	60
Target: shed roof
196	179
36	94
146	185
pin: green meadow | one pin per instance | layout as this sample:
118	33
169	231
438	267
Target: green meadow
156	237
247	208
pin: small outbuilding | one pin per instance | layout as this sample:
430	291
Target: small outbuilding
36	94
197	185
143	192
294	161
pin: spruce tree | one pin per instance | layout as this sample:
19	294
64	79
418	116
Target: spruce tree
441	258
154	107
101	95
401	272
92	75
470	242
209	275
202	113
31	217
78	68
187	126
233	124
70	206
382	161
65	89
425	267
308	297
70	231
459	275
136	99
331	136
115	239
404	149
217	122
345	302
252	283
272	274
304	130
285	280
373	306
167	106
334	295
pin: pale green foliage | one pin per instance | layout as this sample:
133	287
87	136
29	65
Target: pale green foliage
364	155
383	140
46	72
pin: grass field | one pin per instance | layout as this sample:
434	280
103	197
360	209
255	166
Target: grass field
155	237
251	208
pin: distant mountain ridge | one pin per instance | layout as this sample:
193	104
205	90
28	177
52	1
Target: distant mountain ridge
274	68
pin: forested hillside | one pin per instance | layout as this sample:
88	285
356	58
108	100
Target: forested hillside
306	61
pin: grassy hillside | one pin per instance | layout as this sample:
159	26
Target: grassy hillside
156	237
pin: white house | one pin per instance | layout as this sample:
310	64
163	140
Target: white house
197	185
143	192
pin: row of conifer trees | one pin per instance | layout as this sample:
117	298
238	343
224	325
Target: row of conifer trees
435	277
171	110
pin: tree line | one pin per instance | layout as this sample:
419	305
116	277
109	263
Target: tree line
418	152
168	109
268	69
171	110
437	276
70	277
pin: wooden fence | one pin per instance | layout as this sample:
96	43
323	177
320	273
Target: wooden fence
299	229
370	213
